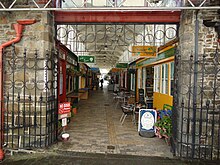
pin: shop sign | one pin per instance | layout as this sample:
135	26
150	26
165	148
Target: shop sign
64	108
71	60
64	122
164	55
86	59
144	51
114	70
147	119
95	70
122	65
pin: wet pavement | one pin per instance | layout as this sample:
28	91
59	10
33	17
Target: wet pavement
97	137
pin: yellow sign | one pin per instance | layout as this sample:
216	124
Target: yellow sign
113	70
144	51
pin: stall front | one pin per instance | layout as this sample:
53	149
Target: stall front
116	79
157	77
84	81
94	80
67	84
123	76
132	77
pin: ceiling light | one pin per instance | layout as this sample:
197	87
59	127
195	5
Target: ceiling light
106	47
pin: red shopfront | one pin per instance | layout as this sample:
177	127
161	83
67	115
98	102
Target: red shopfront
62	74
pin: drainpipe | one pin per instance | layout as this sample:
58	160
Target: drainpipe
18	29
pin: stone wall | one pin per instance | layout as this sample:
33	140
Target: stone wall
25	88
198	99
38	36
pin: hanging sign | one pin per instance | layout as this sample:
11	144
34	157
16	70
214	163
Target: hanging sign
144	51
64	108
122	65
115	70
86	59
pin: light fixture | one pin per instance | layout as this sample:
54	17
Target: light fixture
106	47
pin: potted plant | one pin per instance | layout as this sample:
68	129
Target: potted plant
74	109
164	128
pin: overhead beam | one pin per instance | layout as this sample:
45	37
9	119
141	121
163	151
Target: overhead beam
62	17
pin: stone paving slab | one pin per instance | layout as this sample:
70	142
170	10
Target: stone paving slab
98	138
96	127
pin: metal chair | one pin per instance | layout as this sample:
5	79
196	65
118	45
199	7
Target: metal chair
120	99
126	110
136	109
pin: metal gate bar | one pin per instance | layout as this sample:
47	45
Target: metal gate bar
196	119
30	87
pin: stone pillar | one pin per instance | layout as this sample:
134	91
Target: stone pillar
39	36
26	119
197	101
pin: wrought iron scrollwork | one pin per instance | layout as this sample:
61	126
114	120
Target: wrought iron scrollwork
203	114
31	99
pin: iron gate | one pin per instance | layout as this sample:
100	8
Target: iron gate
30	90
196	116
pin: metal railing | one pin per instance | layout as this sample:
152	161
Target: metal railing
196	114
109	42
30	87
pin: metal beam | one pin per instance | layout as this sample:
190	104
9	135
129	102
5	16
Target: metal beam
117	17
50	5
116	9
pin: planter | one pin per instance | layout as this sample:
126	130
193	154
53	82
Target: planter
74	110
168	141
65	136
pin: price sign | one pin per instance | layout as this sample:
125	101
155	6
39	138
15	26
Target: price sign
64	108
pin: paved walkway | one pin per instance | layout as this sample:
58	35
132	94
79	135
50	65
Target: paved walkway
96	129
98	138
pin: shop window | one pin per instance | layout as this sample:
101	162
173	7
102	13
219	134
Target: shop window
67	83
74	83
165	72
71	83
157	78
149	82
121	79
133	82
163	78
166	78
144	81
171	78
162	89
139	84
126	78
